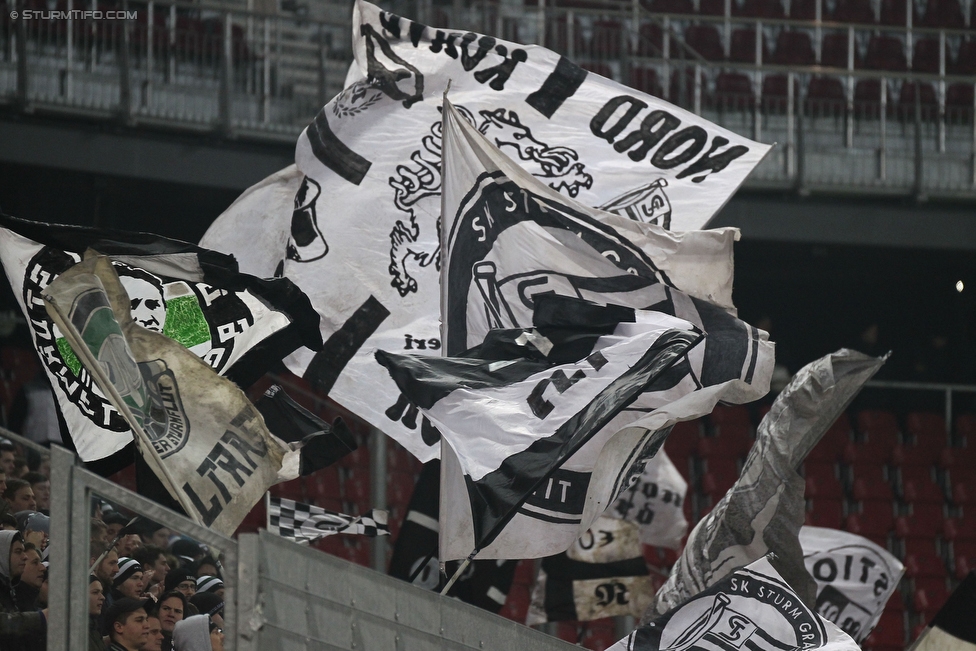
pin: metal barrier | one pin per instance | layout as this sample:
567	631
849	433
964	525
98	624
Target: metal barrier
295	598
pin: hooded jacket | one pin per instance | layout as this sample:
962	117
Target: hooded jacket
18	630
192	634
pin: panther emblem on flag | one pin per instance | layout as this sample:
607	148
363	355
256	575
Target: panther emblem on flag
417	187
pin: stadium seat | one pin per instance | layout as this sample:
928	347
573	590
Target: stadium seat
399	488
731	444
607	40
705	40
825	96
323	485
645	79
716	485
671	6
854	11
525	573
893	12
516	604
689	76
735	416
906	98
885	53
924	523
759	9
922	492
925	566
557	35
292	490
864	490
650	41
930	594
711	7
599	635
890	630
963	558
357	458
962	527
356	489
833	51
867	468
874	519
960	95
793	48
825	512
822	483
805	9
743	46
568	631
734	90
964	64
919	475
925	58
943	13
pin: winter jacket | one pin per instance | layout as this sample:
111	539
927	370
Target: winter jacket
95	641
19	631
192	634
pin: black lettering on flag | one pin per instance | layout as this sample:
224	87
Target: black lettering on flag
485	43
559	86
390	23
694	137
333	153
340	348
416	33
388	80
497	75
653	128
604	114
709	164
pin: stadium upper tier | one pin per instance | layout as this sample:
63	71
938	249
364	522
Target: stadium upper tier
861	95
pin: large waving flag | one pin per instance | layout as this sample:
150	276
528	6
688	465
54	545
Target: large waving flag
654	503
764	509
238	324
752	607
197	431
855	578
364	229
513	411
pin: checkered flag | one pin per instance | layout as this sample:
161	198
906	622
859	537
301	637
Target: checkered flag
305	523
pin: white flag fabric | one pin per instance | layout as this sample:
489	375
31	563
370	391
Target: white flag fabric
365	244
306	523
196	430
510	240
256	227
239	324
654	503
764	509
751	608
603	574
855	577
513	411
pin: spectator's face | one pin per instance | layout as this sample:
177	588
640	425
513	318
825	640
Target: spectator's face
160	538
188	588
206	570
219	592
42	495
170	612
113	531
45	467
7	462
109	567
134	633
129	544
155	636
33	571
18	561
23	500
217	640
3	480
42	594
96	599
160	569
132	587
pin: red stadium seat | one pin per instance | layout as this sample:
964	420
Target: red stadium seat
885	53
827	513
925	523
793	48
516	604
877	424
557	35
732	443
399	488
734	416
608	37
893	12
925	58
865	490
906	97
645	80
805	9
292	490
323	485
930	594
759	9
943	13
742	46
854	11
705	40
356	489
875	519
711	7
960	94
869	470
923	492
650	42
962	528
966	423
568	631
599	635
925	566
833	51
823	486
890	631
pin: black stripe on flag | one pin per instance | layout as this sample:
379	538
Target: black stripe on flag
559	86
340	348
496	497
333	153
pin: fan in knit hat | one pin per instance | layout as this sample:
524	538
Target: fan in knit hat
127	582
210	584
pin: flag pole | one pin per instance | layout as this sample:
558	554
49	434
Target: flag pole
457	574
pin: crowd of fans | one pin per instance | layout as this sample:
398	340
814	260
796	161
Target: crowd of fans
149	589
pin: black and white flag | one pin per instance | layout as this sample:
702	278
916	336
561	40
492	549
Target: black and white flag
514	410
602	574
373	156
953	628
855	577
238	324
764	509
509	240
654	502
306	523
752	608
484	584
197	431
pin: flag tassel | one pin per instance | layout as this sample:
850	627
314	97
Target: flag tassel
460	570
